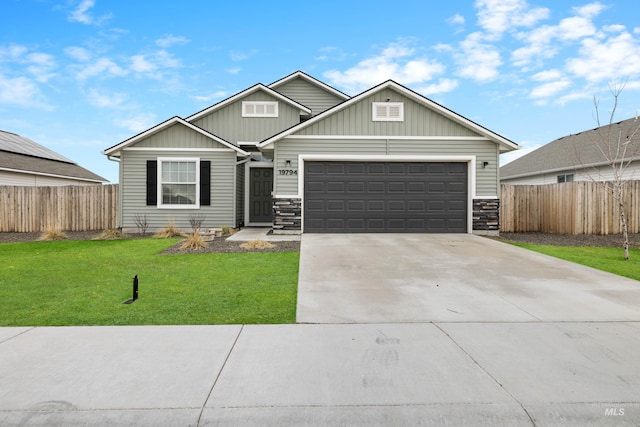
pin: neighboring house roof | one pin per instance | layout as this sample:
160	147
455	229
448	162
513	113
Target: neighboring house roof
316	82
22	155
505	144
115	150
240	95
576	151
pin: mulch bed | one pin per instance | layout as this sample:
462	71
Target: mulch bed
218	245
221	245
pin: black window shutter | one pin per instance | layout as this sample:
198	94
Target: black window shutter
152	183
205	183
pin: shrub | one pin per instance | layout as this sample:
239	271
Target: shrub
227	231
169	231
193	242
53	234
257	244
142	223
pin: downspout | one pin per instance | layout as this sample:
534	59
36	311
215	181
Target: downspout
117	160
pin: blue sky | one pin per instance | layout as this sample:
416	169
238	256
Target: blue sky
79	76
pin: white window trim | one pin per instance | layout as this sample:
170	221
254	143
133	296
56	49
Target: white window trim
387	106
265	103
159	181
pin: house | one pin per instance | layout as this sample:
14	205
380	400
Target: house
579	157
301	156
26	163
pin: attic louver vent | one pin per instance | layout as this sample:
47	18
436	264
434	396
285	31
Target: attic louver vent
259	109
388	111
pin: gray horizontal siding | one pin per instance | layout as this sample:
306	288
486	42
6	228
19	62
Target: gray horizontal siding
418	120
486	178
309	95
228	123
133	191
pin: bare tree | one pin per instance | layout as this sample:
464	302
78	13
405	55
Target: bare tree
616	146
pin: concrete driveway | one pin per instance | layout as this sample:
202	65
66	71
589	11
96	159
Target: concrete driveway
382	278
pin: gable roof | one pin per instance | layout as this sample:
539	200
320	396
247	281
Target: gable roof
248	91
22	155
313	81
505	144
115	150
576	151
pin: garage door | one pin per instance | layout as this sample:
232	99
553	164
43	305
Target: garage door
385	197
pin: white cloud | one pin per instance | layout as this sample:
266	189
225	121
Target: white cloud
169	40
41	65
590	10
547	75
547	90
211	97
102	100
80	13
78	53
397	61
234	71
478	60
442	86
20	91
103	67
499	16
242	56
138	123
139	64
607	59
456	19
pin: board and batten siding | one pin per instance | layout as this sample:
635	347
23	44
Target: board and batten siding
228	123
309	95
133	191
484	150
418	120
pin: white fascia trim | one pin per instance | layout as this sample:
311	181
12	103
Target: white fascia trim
286	196
244	93
253	144
391	137
115	149
171	149
470	160
52	175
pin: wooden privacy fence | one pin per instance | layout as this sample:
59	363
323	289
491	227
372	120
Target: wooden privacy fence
68	208
582	207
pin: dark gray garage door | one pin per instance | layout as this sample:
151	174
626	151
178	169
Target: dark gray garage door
393	197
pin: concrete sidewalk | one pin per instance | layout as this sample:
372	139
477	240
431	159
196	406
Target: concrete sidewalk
512	374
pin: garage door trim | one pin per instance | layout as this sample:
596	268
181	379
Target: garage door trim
470	160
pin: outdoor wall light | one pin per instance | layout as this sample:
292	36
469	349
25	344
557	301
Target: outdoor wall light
287	163
485	164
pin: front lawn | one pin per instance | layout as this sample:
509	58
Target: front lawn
606	259
86	283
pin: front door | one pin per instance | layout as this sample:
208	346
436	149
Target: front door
260	202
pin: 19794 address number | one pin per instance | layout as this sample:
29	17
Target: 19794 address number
287	172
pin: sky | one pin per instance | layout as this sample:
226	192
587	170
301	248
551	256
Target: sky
79	76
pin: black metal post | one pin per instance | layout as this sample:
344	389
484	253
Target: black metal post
135	287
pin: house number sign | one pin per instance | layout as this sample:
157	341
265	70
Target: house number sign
287	171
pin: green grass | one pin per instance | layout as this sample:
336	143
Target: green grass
86	282
606	259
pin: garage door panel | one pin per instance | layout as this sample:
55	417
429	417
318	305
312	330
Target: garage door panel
385	197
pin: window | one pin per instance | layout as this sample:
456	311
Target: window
259	109
179	183
565	178
388	111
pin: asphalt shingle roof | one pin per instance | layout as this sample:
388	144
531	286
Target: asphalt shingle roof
22	154
576	151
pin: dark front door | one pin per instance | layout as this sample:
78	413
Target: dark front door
379	197
260	187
